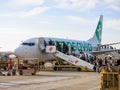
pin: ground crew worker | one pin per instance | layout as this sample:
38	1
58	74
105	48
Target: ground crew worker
10	64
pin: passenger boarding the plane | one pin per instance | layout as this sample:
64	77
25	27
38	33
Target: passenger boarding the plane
45	44
111	47
65	48
110	61
82	55
72	51
91	59
50	42
58	46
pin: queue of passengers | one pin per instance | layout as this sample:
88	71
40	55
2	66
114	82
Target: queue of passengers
62	47
107	61
98	62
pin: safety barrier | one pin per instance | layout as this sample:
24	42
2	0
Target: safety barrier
110	81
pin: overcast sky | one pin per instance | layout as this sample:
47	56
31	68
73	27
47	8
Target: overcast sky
73	19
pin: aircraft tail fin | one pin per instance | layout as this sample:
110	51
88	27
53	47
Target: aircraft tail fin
96	39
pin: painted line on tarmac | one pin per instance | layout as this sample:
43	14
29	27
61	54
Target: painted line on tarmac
94	88
35	81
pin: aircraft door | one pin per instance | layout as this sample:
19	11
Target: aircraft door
41	44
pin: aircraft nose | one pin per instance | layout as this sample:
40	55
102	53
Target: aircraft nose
19	52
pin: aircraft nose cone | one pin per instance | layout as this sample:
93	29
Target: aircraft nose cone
19	52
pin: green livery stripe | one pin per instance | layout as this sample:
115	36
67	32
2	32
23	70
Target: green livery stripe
99	31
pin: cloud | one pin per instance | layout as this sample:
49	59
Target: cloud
113	24
80	5
45	22
76	19
34	11
113	4
28	13
5	15
83	5
22	3
23	8
114	7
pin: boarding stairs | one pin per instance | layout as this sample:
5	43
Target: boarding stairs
69	58
74	60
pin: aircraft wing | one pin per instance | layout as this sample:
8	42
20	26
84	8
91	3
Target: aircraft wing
105	51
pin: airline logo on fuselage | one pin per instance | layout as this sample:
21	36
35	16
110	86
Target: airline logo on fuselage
76	61
78	46
50	49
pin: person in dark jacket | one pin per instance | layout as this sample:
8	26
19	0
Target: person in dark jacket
58	46
65	48
118	62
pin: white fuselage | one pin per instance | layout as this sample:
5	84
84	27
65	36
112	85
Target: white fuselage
31	48
31	51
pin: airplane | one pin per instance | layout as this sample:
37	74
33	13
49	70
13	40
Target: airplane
35	47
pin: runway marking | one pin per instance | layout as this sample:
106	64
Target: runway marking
35	81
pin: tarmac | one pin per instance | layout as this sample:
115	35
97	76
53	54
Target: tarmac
52	80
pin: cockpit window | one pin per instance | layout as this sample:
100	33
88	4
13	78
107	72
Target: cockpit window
29	44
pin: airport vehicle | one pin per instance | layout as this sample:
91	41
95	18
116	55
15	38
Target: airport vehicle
27	66
35	47
3	64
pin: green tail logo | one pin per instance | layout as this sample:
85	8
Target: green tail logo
97	37
99	31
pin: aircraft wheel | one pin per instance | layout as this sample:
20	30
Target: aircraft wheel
5	68
33	73
78	69
20	72
55	68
